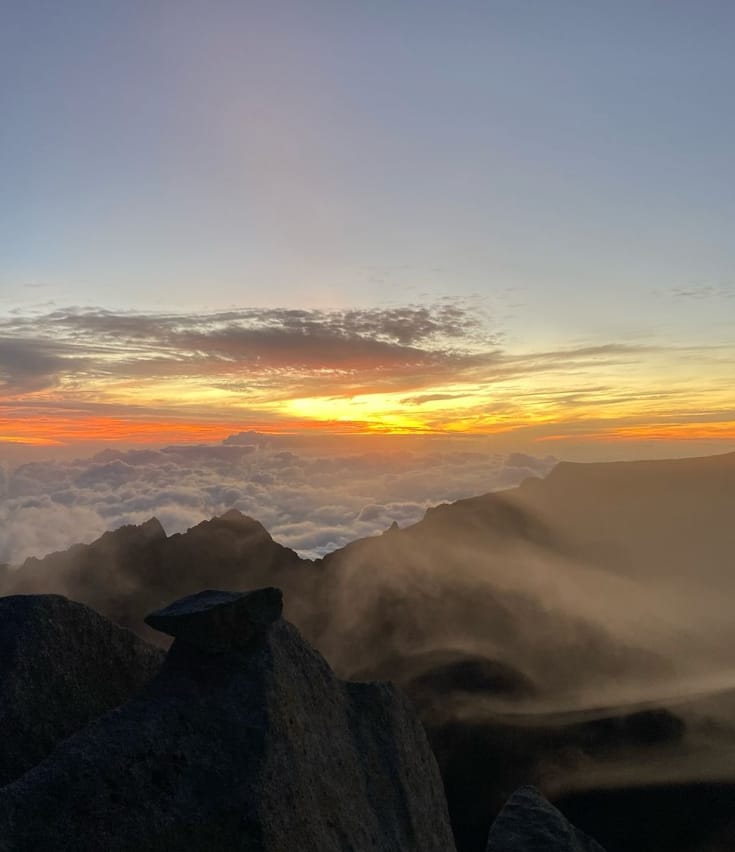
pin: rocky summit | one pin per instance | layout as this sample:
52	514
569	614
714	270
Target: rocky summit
218	621
61	666
244	740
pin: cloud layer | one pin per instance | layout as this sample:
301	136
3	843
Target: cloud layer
310	500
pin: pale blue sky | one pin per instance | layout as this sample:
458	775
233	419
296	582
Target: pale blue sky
569	163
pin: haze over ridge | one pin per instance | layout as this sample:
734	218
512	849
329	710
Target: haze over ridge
623	546
574	630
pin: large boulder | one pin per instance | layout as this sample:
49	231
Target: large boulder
61	666
219	621
253	745
529	823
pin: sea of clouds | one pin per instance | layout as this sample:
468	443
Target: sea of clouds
311	500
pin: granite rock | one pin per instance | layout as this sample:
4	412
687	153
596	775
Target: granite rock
259	747
530	823
61	666
218	621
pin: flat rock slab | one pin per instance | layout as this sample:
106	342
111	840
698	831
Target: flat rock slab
218	621
530	823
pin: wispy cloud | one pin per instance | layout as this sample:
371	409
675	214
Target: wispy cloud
422	399
276	342
440	367
704	291
28	364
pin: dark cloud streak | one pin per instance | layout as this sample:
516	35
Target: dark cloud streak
254	340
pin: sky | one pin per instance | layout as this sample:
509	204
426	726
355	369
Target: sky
499	219
333	262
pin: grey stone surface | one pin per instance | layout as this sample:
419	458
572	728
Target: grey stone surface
61	666
258	748
218	621
529	823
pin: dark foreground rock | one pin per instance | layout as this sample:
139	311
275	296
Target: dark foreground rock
61	666
529	823
255	747
218	621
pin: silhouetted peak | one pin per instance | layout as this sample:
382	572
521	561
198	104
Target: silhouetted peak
235	521
145	533
235	516
153	528
490	514
217	621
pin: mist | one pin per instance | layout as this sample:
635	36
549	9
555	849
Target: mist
563	631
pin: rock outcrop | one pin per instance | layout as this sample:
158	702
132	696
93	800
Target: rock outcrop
61	666
126	573
245	740
529	823
219	621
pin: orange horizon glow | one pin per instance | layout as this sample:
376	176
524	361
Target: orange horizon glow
67	431
150	379
655	432
113	429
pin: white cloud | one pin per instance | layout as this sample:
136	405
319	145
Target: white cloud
310	500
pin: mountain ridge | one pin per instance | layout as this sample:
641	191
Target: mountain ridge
599	586
561	472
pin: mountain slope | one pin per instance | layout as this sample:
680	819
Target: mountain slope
567	632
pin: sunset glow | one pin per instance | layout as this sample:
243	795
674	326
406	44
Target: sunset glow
250	224
353	349
207	381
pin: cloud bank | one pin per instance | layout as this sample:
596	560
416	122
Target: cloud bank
313	500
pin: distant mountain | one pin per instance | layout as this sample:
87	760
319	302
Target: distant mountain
559	633
136	569
642	518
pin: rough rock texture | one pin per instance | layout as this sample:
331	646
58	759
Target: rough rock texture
529	823
218	621
61	665
257	748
